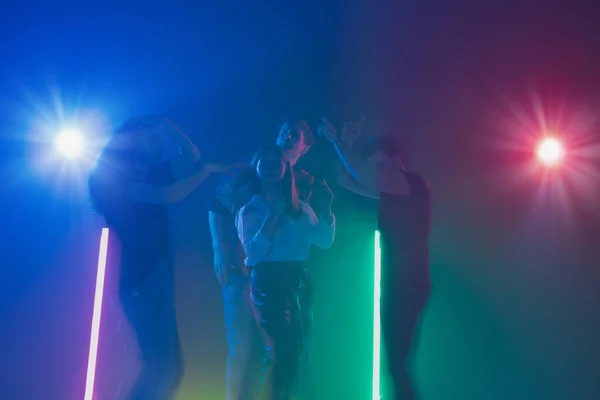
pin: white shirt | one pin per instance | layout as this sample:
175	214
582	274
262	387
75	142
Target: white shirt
291	241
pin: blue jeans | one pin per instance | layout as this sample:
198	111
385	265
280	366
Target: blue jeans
242	337
150	309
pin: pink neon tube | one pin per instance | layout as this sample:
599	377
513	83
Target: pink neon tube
91	370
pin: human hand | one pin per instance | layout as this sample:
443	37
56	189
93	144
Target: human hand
352	130
325	194
328	130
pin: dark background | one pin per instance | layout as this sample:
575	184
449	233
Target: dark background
466	86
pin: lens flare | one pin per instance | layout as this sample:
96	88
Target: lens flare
550	152
69	143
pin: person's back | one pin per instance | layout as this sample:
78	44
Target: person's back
404	223
142	228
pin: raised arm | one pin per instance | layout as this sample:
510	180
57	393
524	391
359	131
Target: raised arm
190	154
256	231
353	163
322	227
345	180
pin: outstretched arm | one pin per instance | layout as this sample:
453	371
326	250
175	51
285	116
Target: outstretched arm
177	191
353	163
345	180
190	154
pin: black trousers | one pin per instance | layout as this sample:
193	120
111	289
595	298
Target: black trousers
405	290
305	389
274	293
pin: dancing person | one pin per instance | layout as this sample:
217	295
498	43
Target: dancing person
276	231
129	188
377	171
295	138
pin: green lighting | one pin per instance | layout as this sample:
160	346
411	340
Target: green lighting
376	319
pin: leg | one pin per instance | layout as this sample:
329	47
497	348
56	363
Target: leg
240	328
275	301
150	310
306	301
401	308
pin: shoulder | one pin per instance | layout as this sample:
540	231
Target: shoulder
255	204
416	180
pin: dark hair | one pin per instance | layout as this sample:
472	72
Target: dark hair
113	166
249	181
309	136
385	144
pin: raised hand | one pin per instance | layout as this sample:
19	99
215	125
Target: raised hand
352	130
328	130
325	194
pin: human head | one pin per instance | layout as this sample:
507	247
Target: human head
295	138
271	169
382	153
131	149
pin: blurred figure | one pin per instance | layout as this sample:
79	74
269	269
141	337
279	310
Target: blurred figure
377	171
129	187
295	138
276	230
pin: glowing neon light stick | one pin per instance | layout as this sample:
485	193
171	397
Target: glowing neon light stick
377	319
91	370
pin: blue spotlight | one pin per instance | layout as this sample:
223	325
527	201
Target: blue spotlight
70	143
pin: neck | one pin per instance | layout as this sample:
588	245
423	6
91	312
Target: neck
293	159
272	191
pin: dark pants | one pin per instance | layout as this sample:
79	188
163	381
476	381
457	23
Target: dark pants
305	389
274	293
405	289
150	310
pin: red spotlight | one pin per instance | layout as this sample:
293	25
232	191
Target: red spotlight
550	152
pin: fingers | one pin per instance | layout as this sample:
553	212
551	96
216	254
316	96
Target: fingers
326	121
362	119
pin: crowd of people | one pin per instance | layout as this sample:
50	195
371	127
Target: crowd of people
264	217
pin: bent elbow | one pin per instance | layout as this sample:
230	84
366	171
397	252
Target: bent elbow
195	155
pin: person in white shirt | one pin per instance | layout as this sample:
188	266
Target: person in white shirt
276	231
